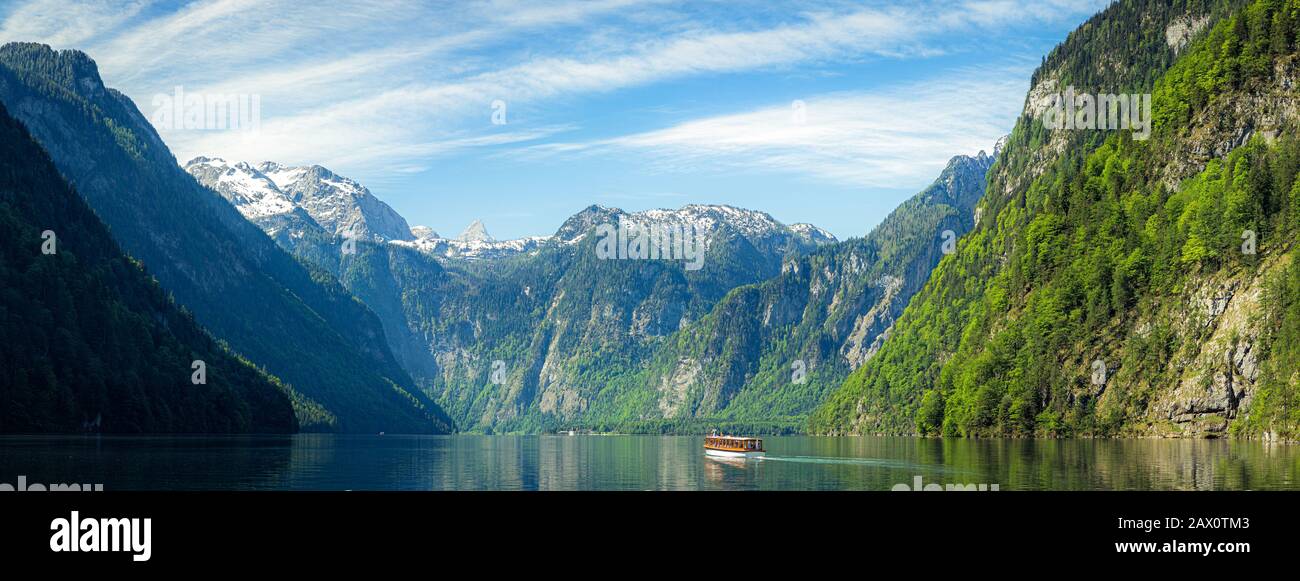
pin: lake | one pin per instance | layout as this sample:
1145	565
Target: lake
593	462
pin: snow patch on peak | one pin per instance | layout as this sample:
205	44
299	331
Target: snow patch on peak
423	232
473	244
706	218
247	189
703	219
337	204
283	177
207	161
813	234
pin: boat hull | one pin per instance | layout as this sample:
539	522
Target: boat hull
730	454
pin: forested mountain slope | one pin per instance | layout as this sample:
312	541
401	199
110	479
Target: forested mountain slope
299	323
1121	286
643	345
563	328
88	341
770	351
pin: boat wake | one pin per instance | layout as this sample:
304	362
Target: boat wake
833	460
883	463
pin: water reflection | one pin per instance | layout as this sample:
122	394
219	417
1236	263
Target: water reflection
327	462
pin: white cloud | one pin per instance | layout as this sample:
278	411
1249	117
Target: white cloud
871	139
60	25
998	12
388	85
413	112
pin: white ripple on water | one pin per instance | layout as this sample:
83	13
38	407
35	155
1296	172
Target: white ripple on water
883	463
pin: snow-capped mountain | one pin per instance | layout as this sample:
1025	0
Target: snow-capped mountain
473	244
813	234
702	219
423	232
289	202
278	197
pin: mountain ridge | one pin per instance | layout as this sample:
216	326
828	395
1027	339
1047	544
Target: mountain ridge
1120	286
770	350
89	341
295	320
543	284
337	205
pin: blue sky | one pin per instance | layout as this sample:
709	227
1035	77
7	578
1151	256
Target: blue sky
827	112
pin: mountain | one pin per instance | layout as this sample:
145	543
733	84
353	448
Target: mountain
88	341
473	244
552	315
337	205
1120	285
770	351
568	328
813	234
475	232
543	332
312	202
296	321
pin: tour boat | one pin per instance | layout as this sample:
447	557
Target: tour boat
733	447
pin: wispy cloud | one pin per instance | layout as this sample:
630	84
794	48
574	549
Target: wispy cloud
871	139
393	85
998	12
415	111
57	23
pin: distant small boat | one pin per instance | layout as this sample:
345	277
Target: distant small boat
733	447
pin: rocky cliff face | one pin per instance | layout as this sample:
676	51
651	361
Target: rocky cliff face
571	330
518	335
529	334
1215	373
771	350
1217	365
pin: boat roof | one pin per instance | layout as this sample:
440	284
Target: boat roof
736	437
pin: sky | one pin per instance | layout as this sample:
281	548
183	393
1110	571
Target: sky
521	113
